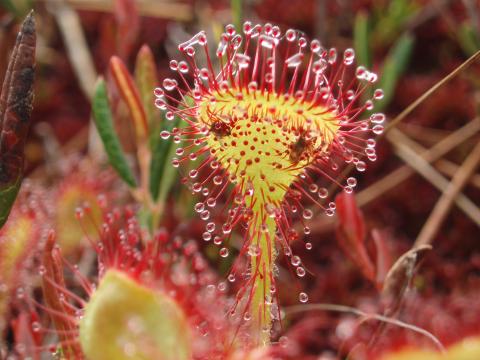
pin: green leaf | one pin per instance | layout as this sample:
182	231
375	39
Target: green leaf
361	40
394	66
392	16
237	13
17	7
468	39
162	173
103	121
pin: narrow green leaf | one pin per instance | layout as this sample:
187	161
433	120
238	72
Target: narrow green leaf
394	66
361	40
103	121
170	173
160	167
162	173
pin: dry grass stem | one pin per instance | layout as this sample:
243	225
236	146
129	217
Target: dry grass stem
430	91
154	8
80	58
431	155
427	136
450	169
76	45
450	194
401	174
405	152
365	316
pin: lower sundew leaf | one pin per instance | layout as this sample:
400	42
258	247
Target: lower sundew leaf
103	121
126	320
15	109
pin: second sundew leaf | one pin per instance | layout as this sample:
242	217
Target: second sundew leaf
130	95
146	80
394	66
103	121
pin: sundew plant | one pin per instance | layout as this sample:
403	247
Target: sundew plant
267	119
213	180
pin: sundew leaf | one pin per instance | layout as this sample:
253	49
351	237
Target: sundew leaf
103	121
395	65
161	327
361	41
15	109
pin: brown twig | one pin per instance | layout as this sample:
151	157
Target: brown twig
430	91
450	169
161	9
80	58
76	45
413	106
434	153
401	174
443	205
425	135
404	150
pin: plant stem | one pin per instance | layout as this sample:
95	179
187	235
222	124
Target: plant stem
262	269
